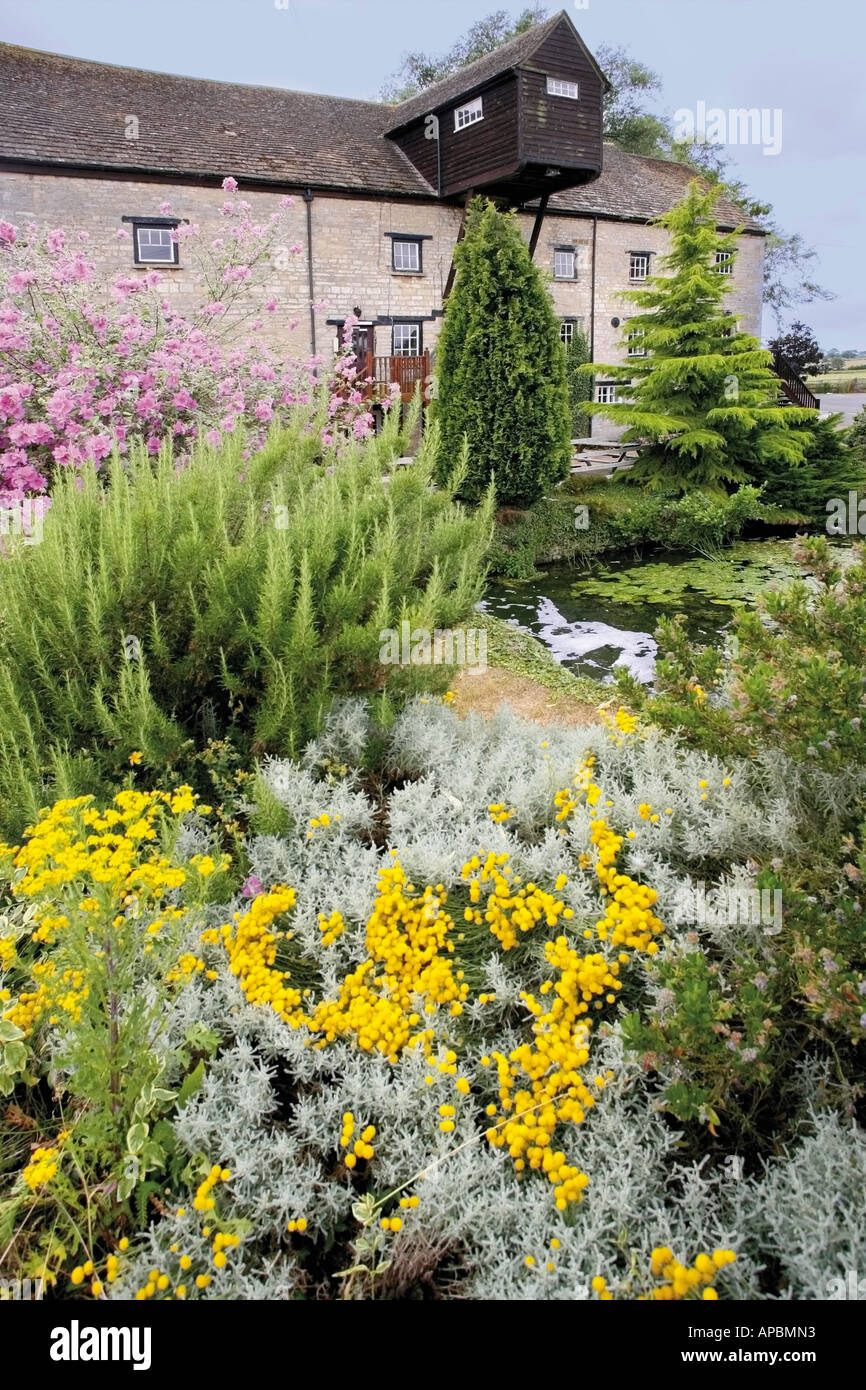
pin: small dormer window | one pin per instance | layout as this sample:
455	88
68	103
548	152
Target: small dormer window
557	88
724	263
638	265
470	113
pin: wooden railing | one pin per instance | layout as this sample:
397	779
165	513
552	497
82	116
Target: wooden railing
793	386
405	371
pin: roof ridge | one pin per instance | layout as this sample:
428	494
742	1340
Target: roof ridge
13	48
537	31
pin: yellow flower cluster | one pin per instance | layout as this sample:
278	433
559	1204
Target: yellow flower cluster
620	723
568	799
681	1281
320	823
500	811
332	927
221	1243
202	1200
252	949
391	1223
511	906
187	966
300	1225
41	1167
363	1147
409	1203
557	1091
628	919
59	852
105	859
407	947
7	952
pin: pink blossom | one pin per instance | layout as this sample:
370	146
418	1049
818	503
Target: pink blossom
214	438
229	184
56	240
19	280
8	232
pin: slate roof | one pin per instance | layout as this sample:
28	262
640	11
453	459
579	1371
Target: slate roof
70	112
636	187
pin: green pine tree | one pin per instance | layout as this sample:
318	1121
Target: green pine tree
501	367
831	468
704	402
579	383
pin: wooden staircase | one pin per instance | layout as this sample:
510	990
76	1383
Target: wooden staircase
794	389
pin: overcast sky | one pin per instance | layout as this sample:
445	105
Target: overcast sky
804	58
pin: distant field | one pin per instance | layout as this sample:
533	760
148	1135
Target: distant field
839	381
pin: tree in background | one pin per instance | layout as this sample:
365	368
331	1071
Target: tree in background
579	384
800	346
501	367
704	396
421	70
628	121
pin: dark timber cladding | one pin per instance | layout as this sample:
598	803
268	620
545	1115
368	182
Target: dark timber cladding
529	142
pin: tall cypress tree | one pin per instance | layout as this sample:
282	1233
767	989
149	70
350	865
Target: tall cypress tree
579	383
501	366
704	402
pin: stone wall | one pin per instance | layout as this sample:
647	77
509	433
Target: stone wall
352	255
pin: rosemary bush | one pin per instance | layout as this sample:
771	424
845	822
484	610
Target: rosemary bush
230	599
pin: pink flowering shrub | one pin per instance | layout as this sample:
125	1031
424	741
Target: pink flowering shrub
89	363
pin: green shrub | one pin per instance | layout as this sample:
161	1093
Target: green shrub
579	385
588	517
230	600
795	679
829	469
501	367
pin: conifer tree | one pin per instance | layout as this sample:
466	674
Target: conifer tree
579	383
501	367
704	402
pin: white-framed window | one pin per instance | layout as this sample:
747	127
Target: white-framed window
605	393
568	328
557	88
406	256
638	265
407	340
724	263
635	347
154	245
470	113
564	263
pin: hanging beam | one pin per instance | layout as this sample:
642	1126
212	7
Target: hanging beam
536	230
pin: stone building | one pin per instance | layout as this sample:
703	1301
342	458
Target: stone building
379	190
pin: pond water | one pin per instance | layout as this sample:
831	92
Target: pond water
596	619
